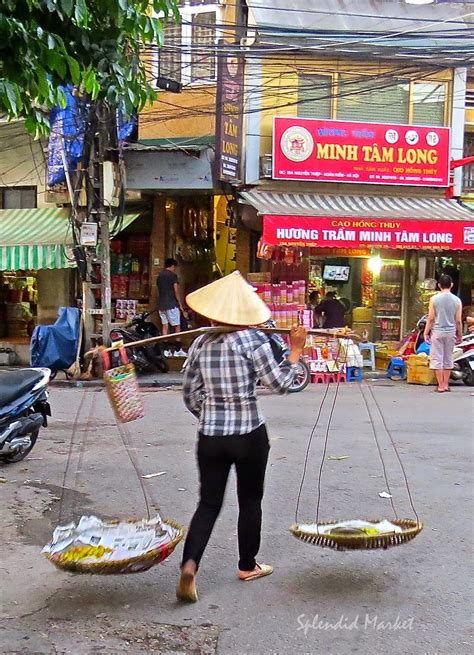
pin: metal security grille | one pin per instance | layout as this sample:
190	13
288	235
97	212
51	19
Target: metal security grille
379	100
315	96
428	103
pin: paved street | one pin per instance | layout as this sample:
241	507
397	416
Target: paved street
415	599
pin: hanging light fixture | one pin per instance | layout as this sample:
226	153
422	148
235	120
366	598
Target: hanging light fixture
375	264
419	2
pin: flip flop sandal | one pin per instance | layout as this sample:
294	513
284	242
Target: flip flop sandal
186	589
260	571
438	390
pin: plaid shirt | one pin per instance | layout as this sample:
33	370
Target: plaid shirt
221	376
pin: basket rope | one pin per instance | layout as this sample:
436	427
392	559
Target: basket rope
394	446
379	449
67	469
413	527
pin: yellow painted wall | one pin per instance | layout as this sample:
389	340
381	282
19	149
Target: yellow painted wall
187	114
190	113
280	84
225	249
22	161
469	118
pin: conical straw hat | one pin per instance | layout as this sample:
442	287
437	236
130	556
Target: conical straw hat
230	300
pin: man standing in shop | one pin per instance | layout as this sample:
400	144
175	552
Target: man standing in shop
332	311
443	329
169	297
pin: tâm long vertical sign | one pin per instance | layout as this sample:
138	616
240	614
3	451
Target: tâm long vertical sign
229	110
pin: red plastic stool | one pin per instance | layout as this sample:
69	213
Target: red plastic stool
318	377
341	377
330	377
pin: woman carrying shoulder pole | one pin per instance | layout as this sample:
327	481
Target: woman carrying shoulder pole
220	390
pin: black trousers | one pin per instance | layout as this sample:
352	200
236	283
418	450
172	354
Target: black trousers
216	455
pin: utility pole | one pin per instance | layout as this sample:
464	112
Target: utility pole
103	142
100	215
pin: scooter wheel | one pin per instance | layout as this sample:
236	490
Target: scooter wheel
18	457
468	378
302	378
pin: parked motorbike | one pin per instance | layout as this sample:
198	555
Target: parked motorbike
280	352
144	358
24	408
463	354
464	361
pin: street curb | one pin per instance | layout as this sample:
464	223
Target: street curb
99	384
165	382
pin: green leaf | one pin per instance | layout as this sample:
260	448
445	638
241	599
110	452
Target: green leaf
11	97
67	6
95	90
132	96
81	13
61	98
57	63
74	70
31	125
89	80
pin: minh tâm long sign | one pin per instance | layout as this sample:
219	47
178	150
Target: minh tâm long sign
369	153
323	232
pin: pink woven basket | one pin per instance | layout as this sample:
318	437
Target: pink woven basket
122	388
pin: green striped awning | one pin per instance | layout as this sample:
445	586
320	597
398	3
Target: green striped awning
34	239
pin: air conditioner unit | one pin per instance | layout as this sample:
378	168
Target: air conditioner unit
266	166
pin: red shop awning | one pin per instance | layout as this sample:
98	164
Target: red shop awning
309	220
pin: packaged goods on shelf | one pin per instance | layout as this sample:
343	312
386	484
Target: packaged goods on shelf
119	286
125	309
362	315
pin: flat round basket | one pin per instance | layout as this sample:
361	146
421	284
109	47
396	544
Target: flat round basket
354	540
137	564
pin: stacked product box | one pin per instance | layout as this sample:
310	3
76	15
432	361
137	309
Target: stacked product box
125	309
286	301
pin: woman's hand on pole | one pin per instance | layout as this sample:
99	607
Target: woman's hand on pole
297	343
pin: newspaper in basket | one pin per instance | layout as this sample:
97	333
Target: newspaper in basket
122	388
112	547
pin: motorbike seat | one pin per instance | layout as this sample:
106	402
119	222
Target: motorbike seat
15	384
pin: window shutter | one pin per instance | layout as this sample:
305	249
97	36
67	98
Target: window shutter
373	99
428	104
203	44
169	55
314	96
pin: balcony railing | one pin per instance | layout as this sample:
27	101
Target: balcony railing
468	178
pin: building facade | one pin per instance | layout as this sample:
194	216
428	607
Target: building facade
342	130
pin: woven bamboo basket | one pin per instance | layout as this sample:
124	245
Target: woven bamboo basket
362	541
122	388
124	566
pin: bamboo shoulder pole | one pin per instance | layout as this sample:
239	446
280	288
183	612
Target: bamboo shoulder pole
336	333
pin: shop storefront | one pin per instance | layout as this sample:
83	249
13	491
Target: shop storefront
383	269
36	275
179	180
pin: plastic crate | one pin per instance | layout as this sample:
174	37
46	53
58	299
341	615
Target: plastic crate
418	370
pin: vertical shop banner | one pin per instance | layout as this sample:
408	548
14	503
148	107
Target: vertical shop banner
229	112
305	231
369	153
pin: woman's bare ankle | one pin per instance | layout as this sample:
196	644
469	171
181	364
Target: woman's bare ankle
189	567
